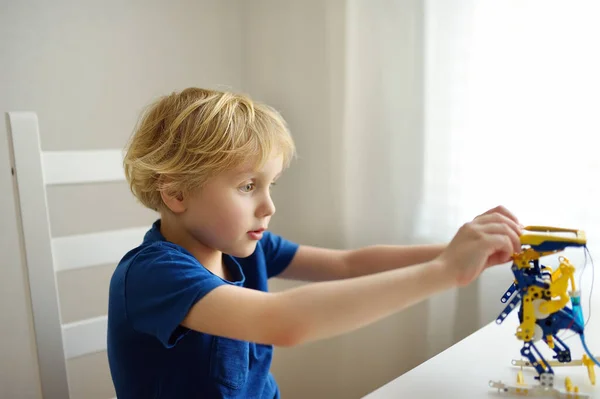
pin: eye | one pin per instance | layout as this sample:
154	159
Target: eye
247	187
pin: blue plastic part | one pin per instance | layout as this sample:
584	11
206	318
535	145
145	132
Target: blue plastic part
549	246
575	301
509	292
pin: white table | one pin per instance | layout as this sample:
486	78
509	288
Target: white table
465	369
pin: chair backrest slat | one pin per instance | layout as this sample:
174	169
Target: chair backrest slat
76	167
93	249
85	337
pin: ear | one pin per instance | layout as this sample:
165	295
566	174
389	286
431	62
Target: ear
173	201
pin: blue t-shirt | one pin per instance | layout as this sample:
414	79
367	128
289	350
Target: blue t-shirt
152	356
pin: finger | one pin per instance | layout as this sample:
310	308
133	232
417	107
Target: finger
505	230
498	258
503	211
499	218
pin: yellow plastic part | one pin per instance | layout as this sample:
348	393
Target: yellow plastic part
559	287
550	341
520	379
568	384
523	258
526	329
589	363
537	239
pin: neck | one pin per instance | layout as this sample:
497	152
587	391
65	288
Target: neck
174	232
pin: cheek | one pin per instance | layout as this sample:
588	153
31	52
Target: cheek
230	213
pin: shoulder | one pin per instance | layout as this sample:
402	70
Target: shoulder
160	252
151	253
157	263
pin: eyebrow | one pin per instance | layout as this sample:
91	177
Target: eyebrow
248	173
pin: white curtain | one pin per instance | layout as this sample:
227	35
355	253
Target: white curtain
382	133
511	116
512	113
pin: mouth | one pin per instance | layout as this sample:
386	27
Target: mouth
256	234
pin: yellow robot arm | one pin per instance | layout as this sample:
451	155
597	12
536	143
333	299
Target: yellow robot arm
559	287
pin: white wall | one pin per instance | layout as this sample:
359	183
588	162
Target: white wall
294	60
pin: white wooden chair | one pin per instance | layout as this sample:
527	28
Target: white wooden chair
44	255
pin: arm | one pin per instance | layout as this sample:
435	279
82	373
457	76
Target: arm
379	258
321	264
314	311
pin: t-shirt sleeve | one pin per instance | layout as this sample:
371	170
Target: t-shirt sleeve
278	251
161	286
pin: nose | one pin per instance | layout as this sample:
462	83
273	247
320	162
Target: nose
267	207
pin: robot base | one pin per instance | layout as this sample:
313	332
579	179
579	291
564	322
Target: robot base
544	389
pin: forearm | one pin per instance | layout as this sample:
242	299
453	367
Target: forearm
379	258
327	309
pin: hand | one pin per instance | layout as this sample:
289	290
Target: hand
503	211
490	239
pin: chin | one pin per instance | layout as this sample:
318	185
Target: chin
243	251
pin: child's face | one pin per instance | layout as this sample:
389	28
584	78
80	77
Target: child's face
230	211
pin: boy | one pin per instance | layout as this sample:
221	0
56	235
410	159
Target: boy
189	313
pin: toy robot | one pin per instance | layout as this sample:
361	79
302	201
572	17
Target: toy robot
543	295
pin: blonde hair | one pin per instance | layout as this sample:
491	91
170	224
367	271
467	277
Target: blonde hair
184	138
